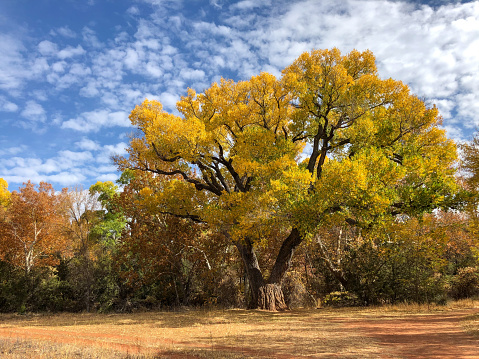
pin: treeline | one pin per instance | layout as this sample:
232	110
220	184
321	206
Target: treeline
327	183
106	249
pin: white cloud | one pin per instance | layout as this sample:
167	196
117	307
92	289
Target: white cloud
118	149
66	32
95	120
168	100
131	58
87	144
34	112
59	66
249	4
90	90
66	168
11	60
153	69
133	10
108	177
110	99
71	156
70	51
39	66
12	151
47	48
90	38
64	75
107	152
191	74
7	106
445	107
455	133
132	96
80	70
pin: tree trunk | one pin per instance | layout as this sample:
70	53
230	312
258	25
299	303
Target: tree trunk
253	271
268	295
283	260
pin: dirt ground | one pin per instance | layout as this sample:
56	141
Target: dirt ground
316	334
422	336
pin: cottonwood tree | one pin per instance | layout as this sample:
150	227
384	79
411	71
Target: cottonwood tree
328	138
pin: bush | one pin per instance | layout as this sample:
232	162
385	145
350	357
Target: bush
465	284
295	292
341	299
229	295
50	295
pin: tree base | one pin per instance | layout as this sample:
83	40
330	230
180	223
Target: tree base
270	297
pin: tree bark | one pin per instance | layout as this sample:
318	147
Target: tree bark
268	295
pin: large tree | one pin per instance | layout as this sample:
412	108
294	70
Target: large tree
269	155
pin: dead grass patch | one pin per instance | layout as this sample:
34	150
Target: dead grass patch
230	334
471	325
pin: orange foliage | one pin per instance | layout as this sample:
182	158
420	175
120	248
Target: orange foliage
30	232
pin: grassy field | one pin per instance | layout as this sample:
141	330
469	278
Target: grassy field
226	334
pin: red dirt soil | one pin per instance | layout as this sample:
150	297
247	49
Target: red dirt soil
422	336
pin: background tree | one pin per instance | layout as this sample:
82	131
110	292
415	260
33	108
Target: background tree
4	193
31	232
109	229
97	224
234	157
470	180
82	208
84	214
31	241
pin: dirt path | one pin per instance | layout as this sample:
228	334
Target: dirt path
423	336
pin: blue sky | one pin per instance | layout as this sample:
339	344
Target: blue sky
72	70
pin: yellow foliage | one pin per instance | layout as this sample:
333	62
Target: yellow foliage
4	193
233	156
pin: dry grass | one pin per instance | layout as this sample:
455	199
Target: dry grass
408	309
230	334
471	325
21	348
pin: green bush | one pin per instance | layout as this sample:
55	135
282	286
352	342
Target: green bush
465	284
341	299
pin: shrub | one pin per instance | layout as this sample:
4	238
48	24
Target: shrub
229	295
465	284
341	299
295	292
